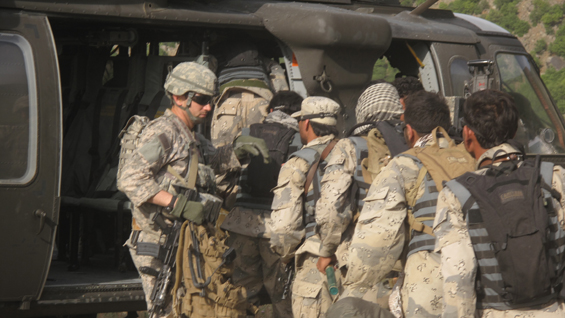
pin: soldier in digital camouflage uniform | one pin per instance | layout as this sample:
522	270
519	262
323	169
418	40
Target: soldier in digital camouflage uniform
164	143
458	261
380	234
256	265
310	229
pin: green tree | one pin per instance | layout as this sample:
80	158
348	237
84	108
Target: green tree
553	17
555	82
541	46
507	17
467	6
558	46
383	70
541	7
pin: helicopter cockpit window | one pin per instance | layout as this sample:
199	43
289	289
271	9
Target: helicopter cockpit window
18	111
459	74
540	129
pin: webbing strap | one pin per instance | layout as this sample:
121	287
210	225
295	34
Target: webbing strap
178	271
190	181
314	167
416	223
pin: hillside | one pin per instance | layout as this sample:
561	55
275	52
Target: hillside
537	23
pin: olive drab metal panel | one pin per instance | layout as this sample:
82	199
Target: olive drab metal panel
451	62
30	130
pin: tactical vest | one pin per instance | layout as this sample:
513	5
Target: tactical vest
490	285
246	196
423	210
311	155
360	186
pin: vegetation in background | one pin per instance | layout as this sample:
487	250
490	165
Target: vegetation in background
555	82
549	15
507	17
473	7
558	46
541	46
383	70
411	3
536	59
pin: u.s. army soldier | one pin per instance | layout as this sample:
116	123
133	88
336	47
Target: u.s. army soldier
160	155
309	226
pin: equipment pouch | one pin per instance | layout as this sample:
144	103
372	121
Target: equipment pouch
212	207
149	249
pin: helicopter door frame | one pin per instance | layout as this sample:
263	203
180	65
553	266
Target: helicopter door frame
29	189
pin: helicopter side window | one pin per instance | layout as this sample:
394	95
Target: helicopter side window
459	75
540	129
18	111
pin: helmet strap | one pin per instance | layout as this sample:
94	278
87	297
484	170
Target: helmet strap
193	119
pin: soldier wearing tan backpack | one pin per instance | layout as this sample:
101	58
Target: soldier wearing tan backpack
395	223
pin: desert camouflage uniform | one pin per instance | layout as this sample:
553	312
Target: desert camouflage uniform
333	213
380	237
256	264
165	141
458	261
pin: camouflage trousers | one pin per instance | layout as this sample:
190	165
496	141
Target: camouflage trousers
310	293
421	292
148	281
256	265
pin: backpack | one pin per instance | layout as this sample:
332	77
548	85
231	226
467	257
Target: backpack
510	208
129	139
384	141
442	165
262	177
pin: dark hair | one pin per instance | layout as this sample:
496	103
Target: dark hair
407	85
289	99
323	130
374	82
492	116
426	111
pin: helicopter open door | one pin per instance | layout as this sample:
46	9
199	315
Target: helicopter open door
30	148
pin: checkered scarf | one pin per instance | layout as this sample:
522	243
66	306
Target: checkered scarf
377	103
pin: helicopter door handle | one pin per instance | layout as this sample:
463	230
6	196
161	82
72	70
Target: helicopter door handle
41	215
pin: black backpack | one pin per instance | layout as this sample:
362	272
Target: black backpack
261	177
515	212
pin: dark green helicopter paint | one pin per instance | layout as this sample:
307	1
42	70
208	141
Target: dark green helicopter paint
66	45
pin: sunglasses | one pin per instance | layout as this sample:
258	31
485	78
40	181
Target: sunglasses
202	99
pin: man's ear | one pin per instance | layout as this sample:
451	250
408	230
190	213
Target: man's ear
469	139
307	124
411	135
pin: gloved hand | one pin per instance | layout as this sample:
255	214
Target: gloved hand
244	145
189	210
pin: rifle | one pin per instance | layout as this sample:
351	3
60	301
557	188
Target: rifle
289	270
167	254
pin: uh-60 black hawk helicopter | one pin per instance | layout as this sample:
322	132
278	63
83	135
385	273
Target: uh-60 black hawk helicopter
72	72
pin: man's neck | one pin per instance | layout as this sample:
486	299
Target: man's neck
183	116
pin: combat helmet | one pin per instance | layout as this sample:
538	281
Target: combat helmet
191	77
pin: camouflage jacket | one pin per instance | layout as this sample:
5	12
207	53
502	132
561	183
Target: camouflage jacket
238	107
167	141
380	233
333	211
458	262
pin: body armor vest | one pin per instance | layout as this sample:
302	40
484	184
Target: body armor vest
489	286
425	210
311	155
246	199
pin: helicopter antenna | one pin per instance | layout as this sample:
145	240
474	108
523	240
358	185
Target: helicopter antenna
423	7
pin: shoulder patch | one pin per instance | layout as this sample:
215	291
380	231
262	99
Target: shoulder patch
152	150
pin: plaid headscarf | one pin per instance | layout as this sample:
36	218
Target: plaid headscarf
377	103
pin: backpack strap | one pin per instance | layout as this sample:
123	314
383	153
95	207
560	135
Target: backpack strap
461	193
314	166
414	222
394	137
546	172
